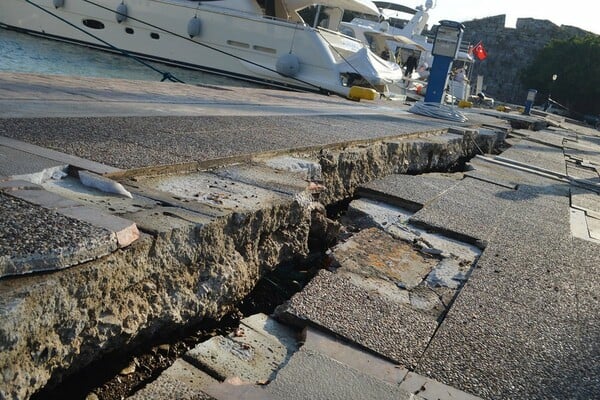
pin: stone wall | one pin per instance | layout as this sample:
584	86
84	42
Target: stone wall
510	50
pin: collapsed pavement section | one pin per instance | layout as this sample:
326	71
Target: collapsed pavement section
206	238
521	319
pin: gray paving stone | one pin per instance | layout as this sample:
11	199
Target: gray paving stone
311	375
409	191
253	353
181	381
432	390
366	317
354	357
374	254
499	350
537	155
468	210
14	162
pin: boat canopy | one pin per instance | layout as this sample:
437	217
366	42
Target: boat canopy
362	6
395	5
403	40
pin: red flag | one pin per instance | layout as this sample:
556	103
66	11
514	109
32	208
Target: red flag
480	52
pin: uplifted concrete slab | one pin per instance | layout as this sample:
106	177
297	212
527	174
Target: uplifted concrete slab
35	238
124	231
374	320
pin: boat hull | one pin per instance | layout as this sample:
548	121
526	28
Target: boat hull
233	43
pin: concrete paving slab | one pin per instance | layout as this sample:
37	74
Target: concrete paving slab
432	390
373	254
215	191
503	175
479	349
35	238
352	356
537	155
366	317
253	353
17	164
259	175
181	381
312	375
409	191
57	154
136	142
554	137
466	211
124	230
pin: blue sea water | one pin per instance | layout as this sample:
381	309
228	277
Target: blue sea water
20	52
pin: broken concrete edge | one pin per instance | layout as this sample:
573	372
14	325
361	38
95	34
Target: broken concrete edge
55	260
281	315
477	242
300	152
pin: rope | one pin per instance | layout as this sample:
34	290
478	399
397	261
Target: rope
165	75
437	110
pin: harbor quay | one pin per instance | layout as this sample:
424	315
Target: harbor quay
403	256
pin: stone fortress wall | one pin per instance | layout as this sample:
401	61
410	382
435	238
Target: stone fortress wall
510	50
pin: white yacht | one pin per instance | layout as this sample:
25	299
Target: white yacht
261	41
397	33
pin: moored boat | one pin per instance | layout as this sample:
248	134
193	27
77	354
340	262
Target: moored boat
267	41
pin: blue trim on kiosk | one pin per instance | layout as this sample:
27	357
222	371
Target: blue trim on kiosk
446	43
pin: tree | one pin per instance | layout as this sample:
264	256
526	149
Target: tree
576	62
